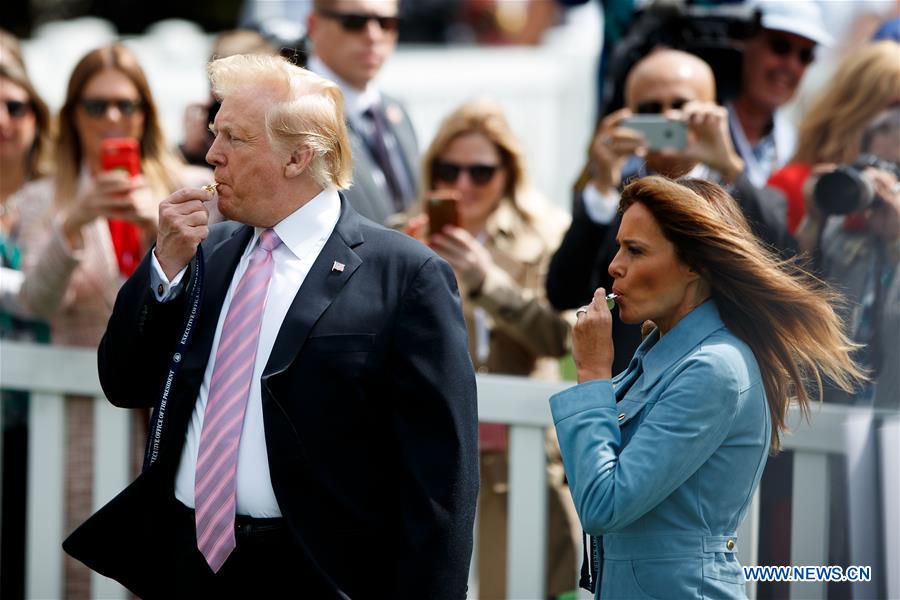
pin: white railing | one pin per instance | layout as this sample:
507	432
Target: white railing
866	439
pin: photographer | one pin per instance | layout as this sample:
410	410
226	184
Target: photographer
853	226
863	86
679	86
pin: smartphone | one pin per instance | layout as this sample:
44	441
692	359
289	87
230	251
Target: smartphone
443	209
659	132
121	153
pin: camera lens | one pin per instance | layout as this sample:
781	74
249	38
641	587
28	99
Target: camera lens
842	191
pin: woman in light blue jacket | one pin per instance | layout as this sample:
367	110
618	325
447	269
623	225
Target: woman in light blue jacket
663	459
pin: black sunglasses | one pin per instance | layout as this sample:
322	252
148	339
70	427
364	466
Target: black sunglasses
783	47
97	107
448	172
356	22
16	109
655	107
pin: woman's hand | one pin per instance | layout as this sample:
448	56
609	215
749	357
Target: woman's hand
592	345
469	259
105	196
417	227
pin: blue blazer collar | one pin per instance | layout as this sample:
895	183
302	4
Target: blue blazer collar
659	354
656	355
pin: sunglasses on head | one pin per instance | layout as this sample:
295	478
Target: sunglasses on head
655	107
97	107
358	21
784	47
16	109
447	172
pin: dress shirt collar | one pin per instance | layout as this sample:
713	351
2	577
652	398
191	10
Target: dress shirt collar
356	101
658	354
301	230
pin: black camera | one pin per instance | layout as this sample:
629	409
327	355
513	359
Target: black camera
846	189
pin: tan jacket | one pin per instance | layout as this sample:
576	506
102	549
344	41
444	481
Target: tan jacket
527	335
73	290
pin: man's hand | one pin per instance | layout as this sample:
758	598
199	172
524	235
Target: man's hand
612	146
884	217
183	224
709	140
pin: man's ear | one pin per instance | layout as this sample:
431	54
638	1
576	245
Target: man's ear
298	162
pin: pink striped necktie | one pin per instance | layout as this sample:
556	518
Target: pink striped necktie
215	481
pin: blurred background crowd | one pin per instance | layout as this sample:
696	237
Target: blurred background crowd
530	114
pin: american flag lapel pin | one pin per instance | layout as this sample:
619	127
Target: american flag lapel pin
338	266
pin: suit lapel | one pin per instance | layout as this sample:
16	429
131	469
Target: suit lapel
319	289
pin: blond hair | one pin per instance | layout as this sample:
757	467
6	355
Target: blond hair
486	118
311	114
784	314
865	83
159	164
38	162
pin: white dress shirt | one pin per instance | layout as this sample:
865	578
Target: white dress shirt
303	233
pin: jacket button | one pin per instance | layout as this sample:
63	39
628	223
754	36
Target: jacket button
160	289
621	416
730	544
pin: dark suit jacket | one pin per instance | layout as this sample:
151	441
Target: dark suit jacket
368	405
370	199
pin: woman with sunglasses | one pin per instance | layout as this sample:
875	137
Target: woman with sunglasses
84	230
500	253
24	156
866	83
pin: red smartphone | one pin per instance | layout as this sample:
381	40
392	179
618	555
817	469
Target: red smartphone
121	153
443	209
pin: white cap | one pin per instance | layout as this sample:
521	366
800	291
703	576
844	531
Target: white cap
800	17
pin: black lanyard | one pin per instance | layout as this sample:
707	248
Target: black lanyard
157	421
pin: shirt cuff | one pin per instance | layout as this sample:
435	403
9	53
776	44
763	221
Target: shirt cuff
598	393
600	208
163	289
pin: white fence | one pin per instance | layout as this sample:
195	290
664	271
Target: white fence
867	441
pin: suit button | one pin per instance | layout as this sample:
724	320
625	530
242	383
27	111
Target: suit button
621	417
730	544
160	289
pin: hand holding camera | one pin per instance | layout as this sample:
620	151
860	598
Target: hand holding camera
709	140
612	145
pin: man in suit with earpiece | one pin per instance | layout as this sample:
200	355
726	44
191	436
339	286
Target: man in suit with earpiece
351	40
315	424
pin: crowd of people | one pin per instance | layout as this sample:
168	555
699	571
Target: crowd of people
753	263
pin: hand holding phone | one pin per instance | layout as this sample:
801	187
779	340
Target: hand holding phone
659	132
442	208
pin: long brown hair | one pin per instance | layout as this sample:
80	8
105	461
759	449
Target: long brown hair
38	161
784	314
865	83
486	118
158	163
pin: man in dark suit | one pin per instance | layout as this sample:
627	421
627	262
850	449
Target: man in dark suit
351	41
320	437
